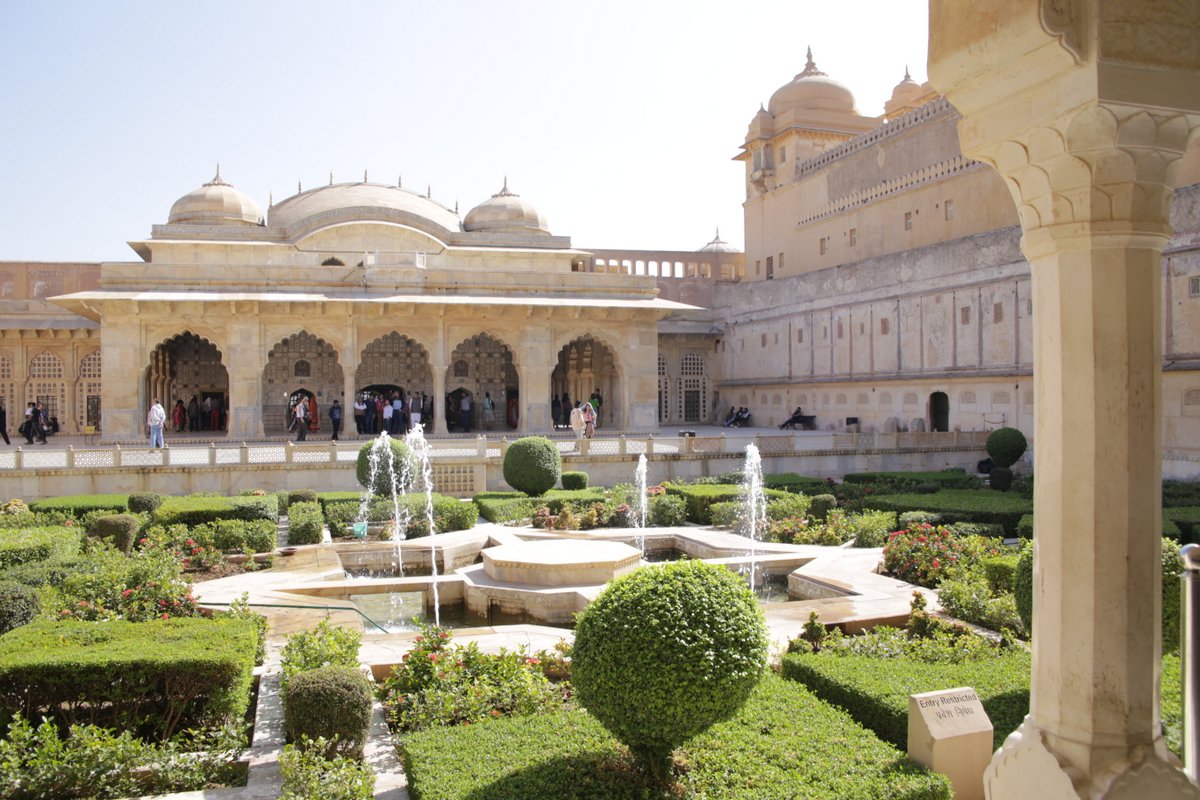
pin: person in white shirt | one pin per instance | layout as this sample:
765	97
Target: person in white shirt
155	420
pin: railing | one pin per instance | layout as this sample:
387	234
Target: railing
480	448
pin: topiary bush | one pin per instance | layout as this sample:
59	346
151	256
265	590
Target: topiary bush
18	606
1022	581
666	651
120	528
144	502
821	505
1000	479
403	462
333	703
532	465
574	480
1005	446
301	496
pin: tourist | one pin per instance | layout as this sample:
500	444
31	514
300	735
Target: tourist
489	411
193	412
597	403
567	409
37	422
206	416
360	415
4	423
399	418
576	422
416	409
335	419
369	418
179	415
589	421
389	414
464	412
300	419
730	418
555	411
156	418
26	428
427	414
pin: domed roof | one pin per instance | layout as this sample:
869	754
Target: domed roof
341	202
907	95
718	245
505	212
215	203
762	125
811	90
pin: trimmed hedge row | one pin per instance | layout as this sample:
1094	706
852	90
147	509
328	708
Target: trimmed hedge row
504	506
449	514
79	504
909	481
29	545
1187	523
875	690
960	505
753	756
699	497
197	510
154	677
796	484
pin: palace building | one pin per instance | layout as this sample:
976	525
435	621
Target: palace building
883	288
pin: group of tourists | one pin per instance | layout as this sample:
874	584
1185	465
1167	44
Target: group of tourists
395	412
37	424
581	417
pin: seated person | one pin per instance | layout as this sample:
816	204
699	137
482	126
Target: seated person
793	420
730	418
743	418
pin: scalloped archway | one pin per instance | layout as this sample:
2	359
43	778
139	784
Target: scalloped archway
185	366
586	364
301	361
482	365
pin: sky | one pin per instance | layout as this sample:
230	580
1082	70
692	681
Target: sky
617	119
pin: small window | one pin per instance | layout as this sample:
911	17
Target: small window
800	336
853	237
998	313
841	331
1194	286
965	314
782	154
764	340
824	245
949	209
884	326
770	267
908	220
302	369
781	262
758	267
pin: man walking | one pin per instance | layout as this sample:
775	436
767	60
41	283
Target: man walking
301	419
155	420
335	419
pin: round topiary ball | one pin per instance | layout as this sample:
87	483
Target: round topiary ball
532	465
666	651
821	505
1006	446
329	702
380	482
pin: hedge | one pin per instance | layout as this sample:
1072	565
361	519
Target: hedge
783	743
79	504
1180	493
197	510
875	691
449	514
154	677
960	505
909	481
504	506
699	497
1170	528
28	545
305	523
574	480
1187	522
796	484
50	572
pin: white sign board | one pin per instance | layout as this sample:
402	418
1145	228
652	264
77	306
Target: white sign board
949	732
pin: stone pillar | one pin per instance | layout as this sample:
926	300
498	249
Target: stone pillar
438	362
1084	110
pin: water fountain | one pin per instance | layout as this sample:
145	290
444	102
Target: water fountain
755	506
381	457
415	439
642	505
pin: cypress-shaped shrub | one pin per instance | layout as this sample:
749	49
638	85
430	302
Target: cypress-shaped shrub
144	502
821	505
333	703
18	606
696	651
532	465
402	463
1022	581
120	528
575	480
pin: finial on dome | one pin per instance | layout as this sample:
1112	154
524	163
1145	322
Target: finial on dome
456	205
810	67
331	177
429	190
504	191
907	77
400	181
717	238
216	181
364	176
270	198
299	188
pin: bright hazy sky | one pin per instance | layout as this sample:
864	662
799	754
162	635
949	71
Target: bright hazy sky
618	119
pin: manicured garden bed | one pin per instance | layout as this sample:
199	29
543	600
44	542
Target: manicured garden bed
960	505
784	743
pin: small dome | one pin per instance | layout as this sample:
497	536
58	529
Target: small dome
812	90
763	124
906	96
718	245
215	203
505	212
